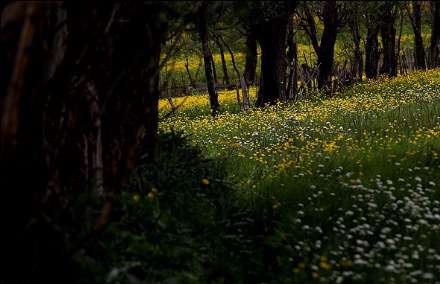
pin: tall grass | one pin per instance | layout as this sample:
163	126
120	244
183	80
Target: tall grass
354	179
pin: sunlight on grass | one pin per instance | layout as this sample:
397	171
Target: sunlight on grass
354	178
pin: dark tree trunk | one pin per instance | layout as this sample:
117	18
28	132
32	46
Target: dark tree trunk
388	35
251	57
372	51
327	46
416	22
202	27
99	104
273	51
292	57
435	34
358	62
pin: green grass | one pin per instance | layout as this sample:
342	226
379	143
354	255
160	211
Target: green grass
352	181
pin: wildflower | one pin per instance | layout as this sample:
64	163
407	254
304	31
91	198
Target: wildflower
205	181
152	194
276	205
136	198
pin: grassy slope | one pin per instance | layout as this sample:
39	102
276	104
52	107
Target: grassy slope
354	179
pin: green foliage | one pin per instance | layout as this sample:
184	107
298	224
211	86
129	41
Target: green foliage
176	222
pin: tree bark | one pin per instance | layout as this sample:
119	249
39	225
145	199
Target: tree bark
435	35
372	51
188	72
251	57
327	46
416	23
292	56
358	62
388	35
214	70
202	27
273	51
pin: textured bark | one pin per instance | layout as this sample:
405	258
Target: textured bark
292	57
327	46
273	48
435	34
251	57
416	23
388	35
358	62
202	27
372	51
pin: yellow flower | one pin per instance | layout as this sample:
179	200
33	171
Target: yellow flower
296	270
205	181
152	194
276	205
347	263
136	197
325	265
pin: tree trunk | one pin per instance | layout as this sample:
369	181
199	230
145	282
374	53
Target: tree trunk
251	57
388	35
372	51
47	142
435	34
214	70
416	23
327	46
202	27
273	51
292	56
358	62
188	73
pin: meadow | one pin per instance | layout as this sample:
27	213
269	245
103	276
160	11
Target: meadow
351	180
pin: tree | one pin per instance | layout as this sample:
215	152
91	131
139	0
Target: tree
333	20
251	55
388	35
372	16
81	104
292	59
354	24
416	22
273	18
202	28
435	34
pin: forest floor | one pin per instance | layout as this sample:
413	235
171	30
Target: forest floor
355	178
